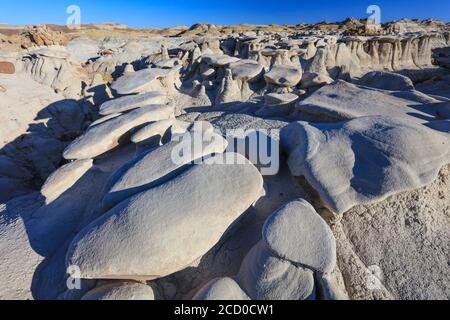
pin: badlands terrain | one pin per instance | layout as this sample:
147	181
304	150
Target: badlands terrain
353	204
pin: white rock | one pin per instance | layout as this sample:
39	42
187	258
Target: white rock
247	70
265	277
104	137
64	178
311	80
158	128
127	103
221	289
297	233
159	165
163	230
284	75
218	60
120	291
344	101
367	159
386	81
140	81
280	98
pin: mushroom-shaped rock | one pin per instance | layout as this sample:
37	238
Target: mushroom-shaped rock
368	159
386	81
247	70
132	102
312	80
120	291
218	60
158	128
160	165
297	233
278	104
165	229
265	277
64	178
284	75
104	137
221	289
140	81
168	64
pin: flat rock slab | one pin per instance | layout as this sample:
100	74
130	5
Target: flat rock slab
218	60
104	137
64	178
345	101
297	233
221	289
121	291
163	230
265	277
140	81
364	160
284	75
159	166
127	103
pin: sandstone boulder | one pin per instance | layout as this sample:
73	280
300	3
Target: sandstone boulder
127	103
367	159
298	234
160	165
165	229
265	277
104	137
64	178
386	81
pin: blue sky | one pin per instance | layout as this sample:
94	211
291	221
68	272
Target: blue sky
164	13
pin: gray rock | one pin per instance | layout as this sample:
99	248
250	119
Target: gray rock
265	277
140	81
297	233
364	160
163	230
127	103
159	166
104	137
284	75
221	289
64	178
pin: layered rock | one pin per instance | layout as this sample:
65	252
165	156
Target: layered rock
105	136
